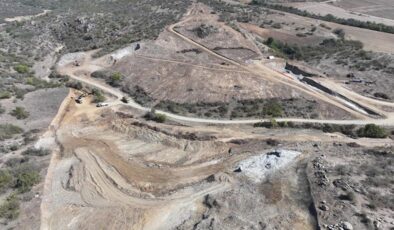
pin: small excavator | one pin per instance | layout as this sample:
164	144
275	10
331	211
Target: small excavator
80	97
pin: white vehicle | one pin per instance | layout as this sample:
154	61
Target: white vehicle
101	104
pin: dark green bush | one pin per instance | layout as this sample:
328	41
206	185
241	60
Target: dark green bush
21	68
153	116
9	209
115	79
5	94
5	180
7	131
267	124
26	180
372	131
40	84
20	113
125	100
272	109
74	84
36	152
98	96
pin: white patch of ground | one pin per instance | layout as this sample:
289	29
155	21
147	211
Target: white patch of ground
71	58
119	54
42	68
26	18
257	168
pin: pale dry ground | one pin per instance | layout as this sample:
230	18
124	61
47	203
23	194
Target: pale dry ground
93	189
372	40
26	18
89	65
108	170
378	8
324	8
113	171
166	74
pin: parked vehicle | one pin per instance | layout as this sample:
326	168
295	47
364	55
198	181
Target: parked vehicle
101	104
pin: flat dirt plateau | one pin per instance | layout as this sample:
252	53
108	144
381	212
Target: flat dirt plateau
114	171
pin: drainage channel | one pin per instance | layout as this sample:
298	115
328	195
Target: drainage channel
346	101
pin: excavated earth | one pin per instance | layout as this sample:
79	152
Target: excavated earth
115	171
112	169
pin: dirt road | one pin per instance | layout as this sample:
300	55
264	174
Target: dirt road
89	65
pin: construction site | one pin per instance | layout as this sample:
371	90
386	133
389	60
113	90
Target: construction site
208	126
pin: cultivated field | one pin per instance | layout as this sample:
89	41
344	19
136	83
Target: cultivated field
376	11
378	8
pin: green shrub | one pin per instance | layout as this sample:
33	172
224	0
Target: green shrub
283	124
36	152
20	93
5	95
98	96
20	113
153	116
21	68
40	84
273	109
115	79
267	124
9	209
5	180
75	85
16	161
7	131
372	131
26	180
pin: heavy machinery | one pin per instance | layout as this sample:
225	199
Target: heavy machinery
80	97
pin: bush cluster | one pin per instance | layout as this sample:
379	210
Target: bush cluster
372	131
36	152
20	113
21	68
157	117
98	96
7	131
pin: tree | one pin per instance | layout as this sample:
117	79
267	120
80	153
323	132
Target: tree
115	79
272	109
98	96
372	131
269	41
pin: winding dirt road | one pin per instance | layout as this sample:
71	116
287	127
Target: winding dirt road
89	65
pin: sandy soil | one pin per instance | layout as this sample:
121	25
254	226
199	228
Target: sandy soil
323	8
379	8
42	105
367	37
